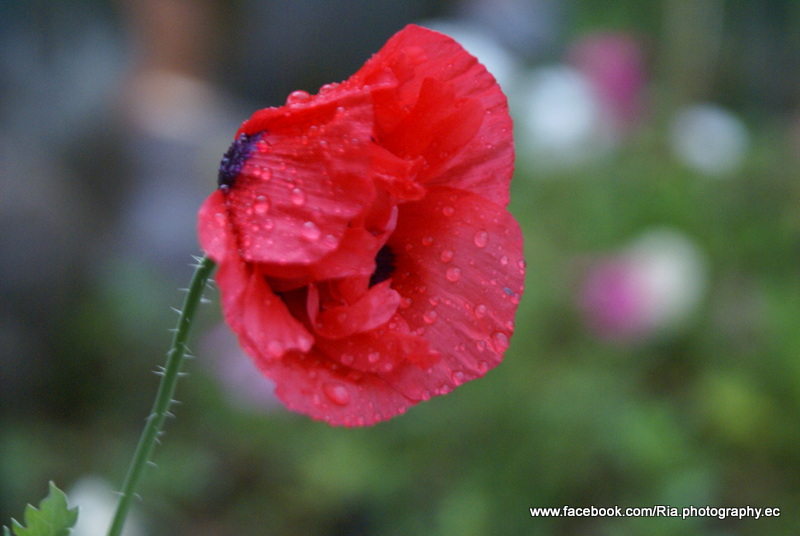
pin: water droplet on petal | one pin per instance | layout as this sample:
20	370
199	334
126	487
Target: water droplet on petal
373	357
427	241
458	377
430	317
500	341
261	206
453	274
481	238
347	359
480	310
504	260
448	211
446	256
298	96
337	393
310	231
297	197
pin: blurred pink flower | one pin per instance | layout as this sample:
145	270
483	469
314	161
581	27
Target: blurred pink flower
614	65
649	287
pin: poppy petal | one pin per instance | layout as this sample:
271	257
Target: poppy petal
374	308
212	227
262	320
416	55
460	267
312	384
307	176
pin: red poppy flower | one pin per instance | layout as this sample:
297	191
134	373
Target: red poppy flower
366	258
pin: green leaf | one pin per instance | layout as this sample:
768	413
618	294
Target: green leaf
53	518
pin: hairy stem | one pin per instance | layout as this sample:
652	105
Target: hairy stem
166	391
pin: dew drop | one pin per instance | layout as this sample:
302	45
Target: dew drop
446	256
427	241
373	357
458	377
481	238
261	206
500	341
255	171
430	317
296	97
480	310
297	197
310	231
337	393
481	345
453	274
448	211
504	260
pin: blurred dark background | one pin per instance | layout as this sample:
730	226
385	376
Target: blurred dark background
657	358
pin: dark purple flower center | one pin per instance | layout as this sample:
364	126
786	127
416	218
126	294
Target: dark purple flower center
235	158
384	265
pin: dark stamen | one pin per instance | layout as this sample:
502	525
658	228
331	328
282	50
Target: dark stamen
385	267
234	159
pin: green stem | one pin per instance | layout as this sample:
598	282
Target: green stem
164	397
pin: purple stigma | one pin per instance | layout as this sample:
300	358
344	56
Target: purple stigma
235	158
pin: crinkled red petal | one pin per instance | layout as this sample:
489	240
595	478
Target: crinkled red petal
460	266
484	163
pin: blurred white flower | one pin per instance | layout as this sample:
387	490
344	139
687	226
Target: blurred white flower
96	502
649	287
709	139
560	119
528	27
